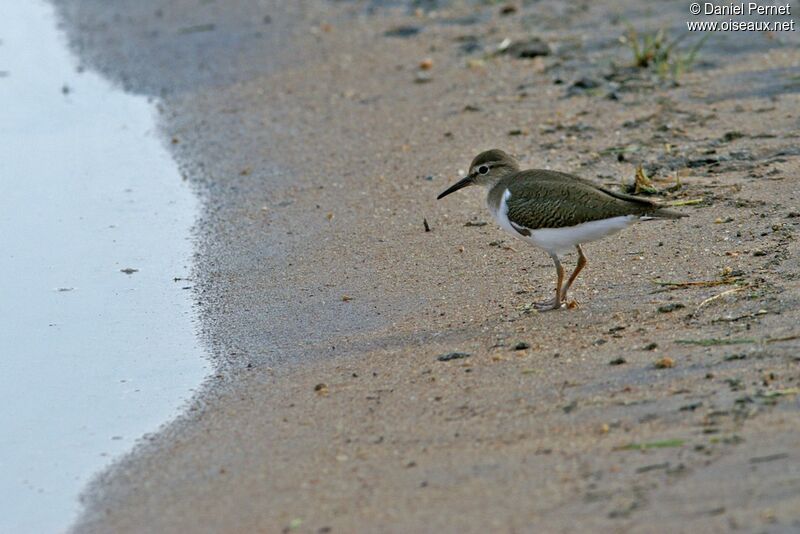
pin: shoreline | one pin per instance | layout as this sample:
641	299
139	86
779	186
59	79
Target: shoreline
98	331
334	412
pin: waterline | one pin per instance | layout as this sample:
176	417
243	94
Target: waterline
97	333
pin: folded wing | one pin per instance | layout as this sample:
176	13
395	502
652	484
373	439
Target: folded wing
550	199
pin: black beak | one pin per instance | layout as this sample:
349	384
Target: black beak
464	182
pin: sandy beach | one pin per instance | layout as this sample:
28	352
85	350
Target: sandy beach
318	135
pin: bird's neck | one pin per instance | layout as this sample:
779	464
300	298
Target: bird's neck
494	194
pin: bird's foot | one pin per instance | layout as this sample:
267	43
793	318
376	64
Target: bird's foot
552	304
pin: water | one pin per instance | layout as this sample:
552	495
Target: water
91	358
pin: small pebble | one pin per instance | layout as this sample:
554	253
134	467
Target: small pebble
453	356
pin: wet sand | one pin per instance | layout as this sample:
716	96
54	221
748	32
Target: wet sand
97	336
326	303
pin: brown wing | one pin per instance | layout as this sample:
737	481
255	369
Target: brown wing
550	199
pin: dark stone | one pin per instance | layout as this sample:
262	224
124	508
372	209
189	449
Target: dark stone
789	151
522	346
453	356
742	155
618	361
403	31
528	49
586	83
733	357
702	162
730	136
670	307
582	85
470	46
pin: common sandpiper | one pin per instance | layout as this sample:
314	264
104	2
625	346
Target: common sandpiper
554	211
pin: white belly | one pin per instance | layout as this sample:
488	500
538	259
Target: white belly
555	240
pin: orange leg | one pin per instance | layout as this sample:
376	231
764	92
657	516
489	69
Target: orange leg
581	264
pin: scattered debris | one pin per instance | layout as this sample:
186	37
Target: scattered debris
651	445
530	48
521	346
618	361
425	224
733	357
731	136
770	458
711	342
453	356
402	31
586	83
709	300
690	202
653	467
129	270
670	286
583	85
780	393
667	308
783	338
655	52
508	9
642	183
475	223
664	363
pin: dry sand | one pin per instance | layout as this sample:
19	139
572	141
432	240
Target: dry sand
325	303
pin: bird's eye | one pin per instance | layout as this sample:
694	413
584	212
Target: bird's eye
483	169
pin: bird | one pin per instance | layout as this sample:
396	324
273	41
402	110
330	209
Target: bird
554	211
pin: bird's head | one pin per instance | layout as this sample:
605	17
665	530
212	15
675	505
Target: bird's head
486	169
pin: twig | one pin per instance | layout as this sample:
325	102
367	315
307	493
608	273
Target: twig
784	338
669	286
689	202
718	296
